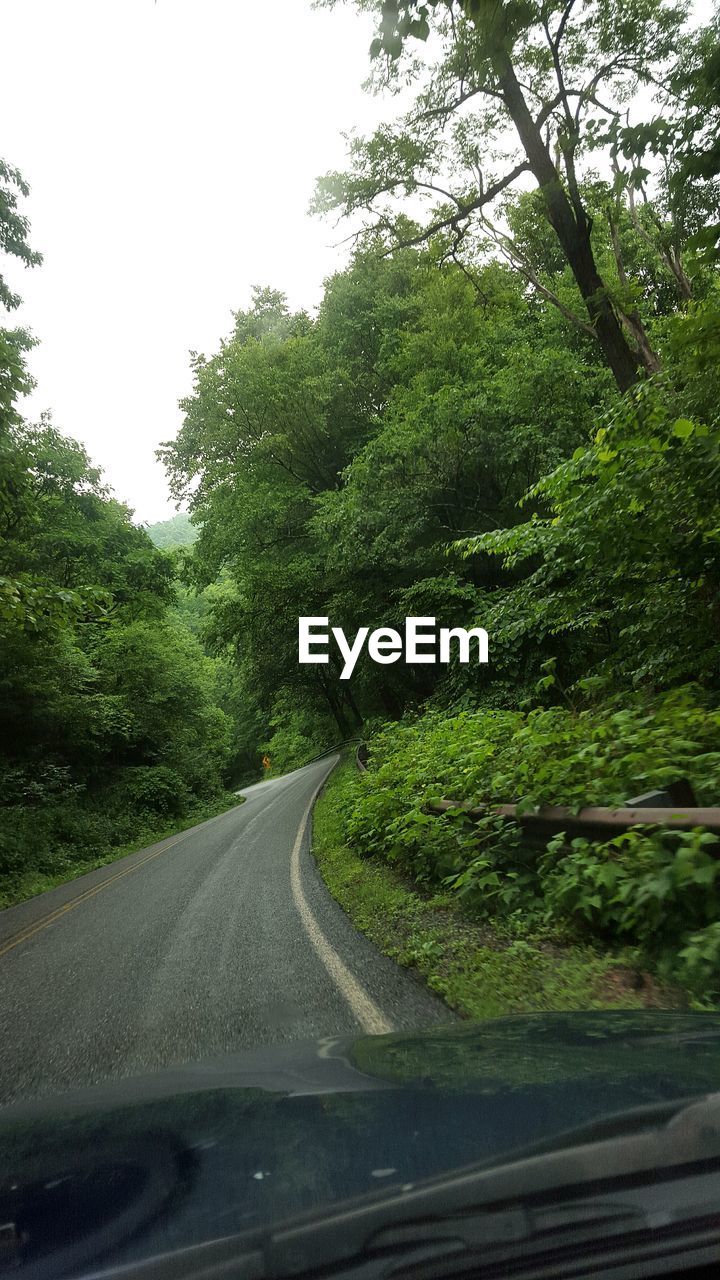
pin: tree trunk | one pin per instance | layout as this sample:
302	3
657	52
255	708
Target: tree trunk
632	319
350	699
684	284
335	705
648	356
571	229
390	702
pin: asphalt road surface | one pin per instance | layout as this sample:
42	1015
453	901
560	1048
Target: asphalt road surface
215	940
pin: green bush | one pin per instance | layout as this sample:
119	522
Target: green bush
649	886
21	831
698	962
652	888
149	789
48	839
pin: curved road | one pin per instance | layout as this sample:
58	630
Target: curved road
215	940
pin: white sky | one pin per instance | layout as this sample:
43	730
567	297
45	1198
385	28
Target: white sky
171	149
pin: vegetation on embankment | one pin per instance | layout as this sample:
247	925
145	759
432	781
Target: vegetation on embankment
116	722
484	965
72	861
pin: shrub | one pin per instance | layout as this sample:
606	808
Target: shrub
149	789
654	888
649	886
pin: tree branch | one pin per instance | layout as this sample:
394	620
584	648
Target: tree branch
563	23
671	262
513	255
463	211
447	108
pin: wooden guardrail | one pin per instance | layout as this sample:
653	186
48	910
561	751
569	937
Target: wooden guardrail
674	808
593	821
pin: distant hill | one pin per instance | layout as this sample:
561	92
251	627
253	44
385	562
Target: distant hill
175	532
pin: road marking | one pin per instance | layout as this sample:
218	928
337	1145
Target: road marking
368	1014
370	1017
46	921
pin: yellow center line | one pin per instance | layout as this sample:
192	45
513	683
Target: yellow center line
53	916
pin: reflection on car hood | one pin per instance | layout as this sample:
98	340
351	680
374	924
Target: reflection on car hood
254	1138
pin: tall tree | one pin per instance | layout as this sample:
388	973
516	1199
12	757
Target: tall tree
330	464
15	379
522	90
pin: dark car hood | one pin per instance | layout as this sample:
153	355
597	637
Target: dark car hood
199	1152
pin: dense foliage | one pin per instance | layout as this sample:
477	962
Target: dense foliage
177	531
621	571
110	724
331	462
651	887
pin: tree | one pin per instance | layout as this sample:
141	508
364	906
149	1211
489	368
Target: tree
175	532
271	424
167	686
328	469
14	229
553	75
620	567
78	567
108	711
70	531
693	177
14	382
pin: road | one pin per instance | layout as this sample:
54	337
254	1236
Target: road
218	939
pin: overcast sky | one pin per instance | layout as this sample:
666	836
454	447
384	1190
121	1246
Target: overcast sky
171	149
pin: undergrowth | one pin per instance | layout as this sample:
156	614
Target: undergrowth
653	889
57	866
482	968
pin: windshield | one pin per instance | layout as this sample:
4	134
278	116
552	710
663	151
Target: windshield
359	603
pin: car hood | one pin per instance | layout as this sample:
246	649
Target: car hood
203	1151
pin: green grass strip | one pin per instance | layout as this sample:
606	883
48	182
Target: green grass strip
481	969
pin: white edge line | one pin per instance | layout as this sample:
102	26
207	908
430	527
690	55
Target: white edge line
371	1018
